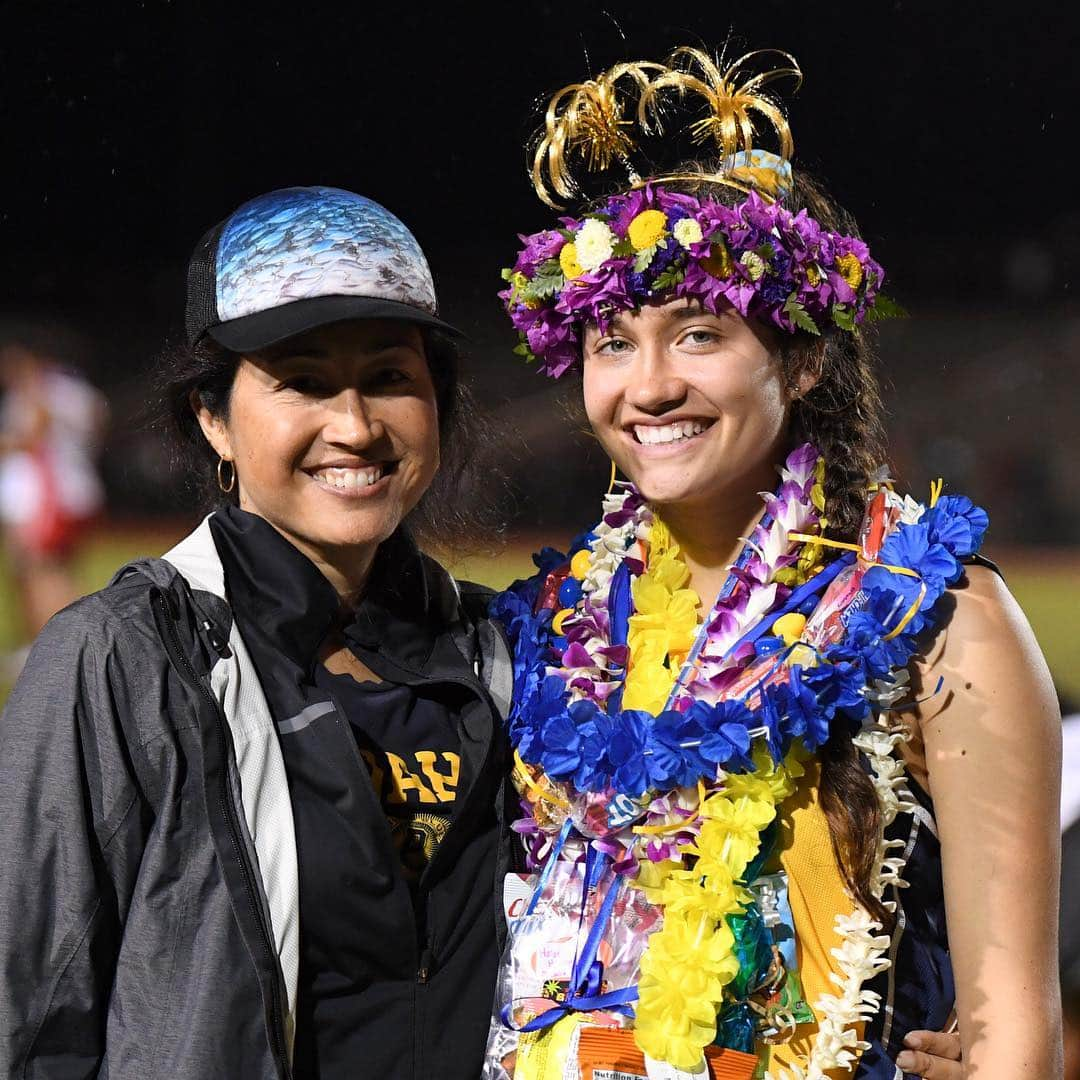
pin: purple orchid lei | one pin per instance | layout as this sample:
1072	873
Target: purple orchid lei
758	256
763	580
563	721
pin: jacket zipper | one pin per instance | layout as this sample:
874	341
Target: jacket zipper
277	1026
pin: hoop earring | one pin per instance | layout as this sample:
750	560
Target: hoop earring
232	476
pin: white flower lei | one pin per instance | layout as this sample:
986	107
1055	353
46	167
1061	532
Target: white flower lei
863	951
609	544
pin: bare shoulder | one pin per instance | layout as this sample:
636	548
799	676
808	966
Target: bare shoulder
987	661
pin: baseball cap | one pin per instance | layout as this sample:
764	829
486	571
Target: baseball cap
301	257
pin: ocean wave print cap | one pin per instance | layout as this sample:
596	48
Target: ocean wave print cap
301	257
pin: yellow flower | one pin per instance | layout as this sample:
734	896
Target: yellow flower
730	837
568	260
683	975
700	944
649	688
579	564
813	275
850	269
687	231
683	895
667	1032
651	877
670	571
691	959
646	229
754	263
719	263
662	629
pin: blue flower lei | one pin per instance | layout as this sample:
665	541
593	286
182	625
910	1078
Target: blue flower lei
632	751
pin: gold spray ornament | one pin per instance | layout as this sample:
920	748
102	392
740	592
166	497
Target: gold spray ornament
587	120
732	98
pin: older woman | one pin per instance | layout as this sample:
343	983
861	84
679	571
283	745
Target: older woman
250	789
771	737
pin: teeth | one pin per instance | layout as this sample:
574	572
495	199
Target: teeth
684	429
351	479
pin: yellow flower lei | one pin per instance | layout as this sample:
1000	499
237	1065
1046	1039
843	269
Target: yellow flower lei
661	632
690	960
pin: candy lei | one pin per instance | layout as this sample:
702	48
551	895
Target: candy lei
704	771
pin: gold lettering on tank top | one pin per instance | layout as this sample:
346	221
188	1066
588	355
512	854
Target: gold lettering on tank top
444	784
403	780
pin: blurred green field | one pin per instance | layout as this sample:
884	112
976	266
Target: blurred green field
1047	584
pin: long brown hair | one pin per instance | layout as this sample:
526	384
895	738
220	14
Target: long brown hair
841	416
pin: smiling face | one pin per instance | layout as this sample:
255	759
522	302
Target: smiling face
334	435
691	406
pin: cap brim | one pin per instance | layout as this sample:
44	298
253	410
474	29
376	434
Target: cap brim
268	327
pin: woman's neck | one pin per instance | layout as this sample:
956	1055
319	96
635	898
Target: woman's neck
349	575
711	537
347	568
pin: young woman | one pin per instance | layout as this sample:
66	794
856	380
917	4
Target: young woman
249	790
768	738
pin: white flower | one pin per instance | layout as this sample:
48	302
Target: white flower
687	231
594	242
911	511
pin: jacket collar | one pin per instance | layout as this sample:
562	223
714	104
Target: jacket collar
272	586
409	606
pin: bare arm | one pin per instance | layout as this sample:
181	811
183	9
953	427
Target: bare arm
993	756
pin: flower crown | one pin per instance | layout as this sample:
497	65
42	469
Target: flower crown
652	242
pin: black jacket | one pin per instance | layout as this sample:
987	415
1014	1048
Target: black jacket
148	923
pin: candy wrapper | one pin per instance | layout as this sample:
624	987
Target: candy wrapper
538	965
601	815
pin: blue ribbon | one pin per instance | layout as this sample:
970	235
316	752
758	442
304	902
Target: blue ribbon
584	994
795	601
549	866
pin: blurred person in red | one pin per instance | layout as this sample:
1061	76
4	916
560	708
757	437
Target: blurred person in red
52	425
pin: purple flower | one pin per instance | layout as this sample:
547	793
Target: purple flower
539	247
801	262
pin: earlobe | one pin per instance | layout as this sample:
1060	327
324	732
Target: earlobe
213	427
809	373
807	381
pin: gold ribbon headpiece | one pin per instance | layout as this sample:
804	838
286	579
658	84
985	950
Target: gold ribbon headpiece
587	121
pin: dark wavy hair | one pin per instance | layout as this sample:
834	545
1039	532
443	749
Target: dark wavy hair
463	508
842	415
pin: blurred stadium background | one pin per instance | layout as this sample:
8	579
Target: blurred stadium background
128	128
127	131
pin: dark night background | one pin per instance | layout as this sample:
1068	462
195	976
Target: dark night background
947	130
